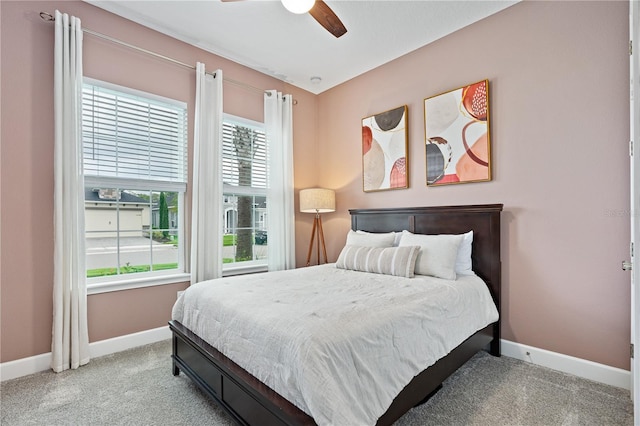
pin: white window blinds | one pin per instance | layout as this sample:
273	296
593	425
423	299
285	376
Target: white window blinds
126	136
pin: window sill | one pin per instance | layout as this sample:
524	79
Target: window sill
118	285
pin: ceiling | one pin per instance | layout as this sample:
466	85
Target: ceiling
264	36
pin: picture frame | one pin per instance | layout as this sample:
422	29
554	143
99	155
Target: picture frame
385	162
457	137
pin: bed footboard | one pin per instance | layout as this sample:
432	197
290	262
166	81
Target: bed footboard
251	402
245	398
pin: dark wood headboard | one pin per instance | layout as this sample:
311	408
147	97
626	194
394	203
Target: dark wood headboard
484	220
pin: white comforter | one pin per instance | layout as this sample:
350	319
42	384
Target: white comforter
338	344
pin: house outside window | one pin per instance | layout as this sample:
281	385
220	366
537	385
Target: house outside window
245	241
135	166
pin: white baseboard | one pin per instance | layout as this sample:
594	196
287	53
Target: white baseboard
122	343
35	364
567	364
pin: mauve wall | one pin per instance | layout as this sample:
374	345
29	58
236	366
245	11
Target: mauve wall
27	159
559	77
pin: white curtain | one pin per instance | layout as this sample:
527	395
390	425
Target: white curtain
278	118
70	337
206	202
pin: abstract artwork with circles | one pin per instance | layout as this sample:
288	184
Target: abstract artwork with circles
457	144
384	150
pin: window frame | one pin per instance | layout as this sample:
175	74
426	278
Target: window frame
119	282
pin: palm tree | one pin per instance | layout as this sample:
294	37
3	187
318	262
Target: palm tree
244	142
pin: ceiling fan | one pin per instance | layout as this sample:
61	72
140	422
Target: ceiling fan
320	11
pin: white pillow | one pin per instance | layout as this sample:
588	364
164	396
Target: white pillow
370	239
438	253
463	261
396	236
397	261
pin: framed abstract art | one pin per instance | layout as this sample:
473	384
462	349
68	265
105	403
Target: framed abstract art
384	150
457	143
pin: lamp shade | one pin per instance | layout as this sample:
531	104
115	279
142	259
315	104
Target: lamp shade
317	200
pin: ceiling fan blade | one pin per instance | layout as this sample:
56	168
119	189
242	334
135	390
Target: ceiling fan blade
322	13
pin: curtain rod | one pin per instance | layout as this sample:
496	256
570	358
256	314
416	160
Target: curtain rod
50	18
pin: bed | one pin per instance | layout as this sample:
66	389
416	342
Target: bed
250	401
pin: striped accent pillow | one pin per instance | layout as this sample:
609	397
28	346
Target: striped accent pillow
398	261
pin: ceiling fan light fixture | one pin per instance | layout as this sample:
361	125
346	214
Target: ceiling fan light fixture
298	6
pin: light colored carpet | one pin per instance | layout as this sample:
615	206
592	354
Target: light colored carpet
136	387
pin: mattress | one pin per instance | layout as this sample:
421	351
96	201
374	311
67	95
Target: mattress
338	344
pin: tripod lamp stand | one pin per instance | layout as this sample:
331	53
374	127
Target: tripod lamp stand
317	200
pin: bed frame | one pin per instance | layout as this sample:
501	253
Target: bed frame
251	402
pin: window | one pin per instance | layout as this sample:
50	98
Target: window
135	165
244	169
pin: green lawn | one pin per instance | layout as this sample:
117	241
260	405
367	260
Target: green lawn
101	272
229	240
